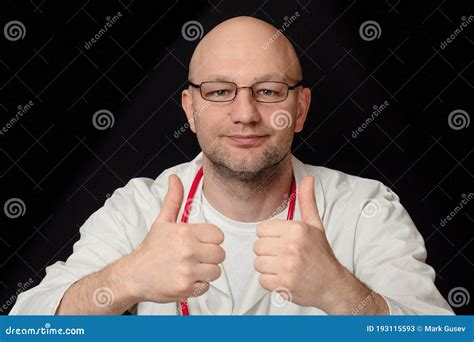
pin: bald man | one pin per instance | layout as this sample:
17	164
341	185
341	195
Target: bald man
245	228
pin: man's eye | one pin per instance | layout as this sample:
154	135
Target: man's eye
266	92
221	92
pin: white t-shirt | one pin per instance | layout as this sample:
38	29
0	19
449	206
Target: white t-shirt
239	238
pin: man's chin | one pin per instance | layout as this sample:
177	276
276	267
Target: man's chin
235	164
234	161
243	167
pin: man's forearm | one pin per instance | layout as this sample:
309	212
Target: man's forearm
351	297
101	293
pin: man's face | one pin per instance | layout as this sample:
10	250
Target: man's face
244	135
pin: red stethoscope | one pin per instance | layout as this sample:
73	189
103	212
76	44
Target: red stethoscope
187	209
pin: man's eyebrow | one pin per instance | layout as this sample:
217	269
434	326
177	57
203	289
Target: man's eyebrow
272	76
218	78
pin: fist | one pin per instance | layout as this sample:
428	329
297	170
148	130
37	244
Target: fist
295	257
176	260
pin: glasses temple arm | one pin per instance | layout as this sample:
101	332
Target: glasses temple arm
194	85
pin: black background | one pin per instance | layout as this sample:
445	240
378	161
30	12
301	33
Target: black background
63	168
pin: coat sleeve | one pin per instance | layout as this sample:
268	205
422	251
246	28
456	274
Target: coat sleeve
107	235
390	255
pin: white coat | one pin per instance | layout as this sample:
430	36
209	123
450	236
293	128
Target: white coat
368	229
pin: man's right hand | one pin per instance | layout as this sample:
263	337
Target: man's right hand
176	260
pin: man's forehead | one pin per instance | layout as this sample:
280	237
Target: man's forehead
240	57
246	68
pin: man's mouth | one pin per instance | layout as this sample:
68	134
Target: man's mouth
246	140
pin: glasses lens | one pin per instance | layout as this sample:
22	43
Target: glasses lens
218	91
270	91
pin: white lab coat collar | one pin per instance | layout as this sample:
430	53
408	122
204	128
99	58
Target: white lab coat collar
218	300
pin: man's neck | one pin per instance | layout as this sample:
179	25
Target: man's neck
249	200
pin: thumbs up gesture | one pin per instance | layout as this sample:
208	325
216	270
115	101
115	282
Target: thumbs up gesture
176	260
295	258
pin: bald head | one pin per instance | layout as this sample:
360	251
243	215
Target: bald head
244	49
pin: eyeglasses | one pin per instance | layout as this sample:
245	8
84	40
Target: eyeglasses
265	92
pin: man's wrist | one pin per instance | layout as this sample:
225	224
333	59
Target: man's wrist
121	276
349	296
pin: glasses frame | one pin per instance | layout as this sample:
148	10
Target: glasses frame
237	88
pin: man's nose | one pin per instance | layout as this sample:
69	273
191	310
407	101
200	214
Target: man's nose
244	108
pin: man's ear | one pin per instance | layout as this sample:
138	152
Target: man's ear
304	100
188	107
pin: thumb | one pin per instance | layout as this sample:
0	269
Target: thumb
173	199
307	202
